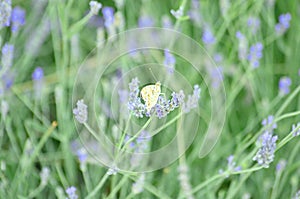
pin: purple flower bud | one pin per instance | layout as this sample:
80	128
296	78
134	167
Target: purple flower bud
284	23
145	21
108	15
284	85
254	24
296	132
123	96
82	155
255	54
166	22
169	61
281	165
208	37
38	74
269	122
17	18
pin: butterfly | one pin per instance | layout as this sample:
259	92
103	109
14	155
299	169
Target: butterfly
150	95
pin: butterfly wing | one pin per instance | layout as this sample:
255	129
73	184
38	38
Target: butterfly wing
150	95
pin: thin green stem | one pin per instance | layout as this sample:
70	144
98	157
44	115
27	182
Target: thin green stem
98	187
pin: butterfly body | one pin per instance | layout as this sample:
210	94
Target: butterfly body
150	95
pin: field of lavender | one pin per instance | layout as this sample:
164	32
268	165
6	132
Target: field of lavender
150	99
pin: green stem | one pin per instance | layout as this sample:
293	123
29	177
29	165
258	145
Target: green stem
287	101
153	190
79	25
98	187
117	187
124	132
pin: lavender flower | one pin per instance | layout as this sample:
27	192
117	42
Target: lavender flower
177	13
71	191
134	103
80	111
208	37
242	46
17	18
163	106
270	123
255	54
95	7
218	58
169	61
140	145
254	24
265	154
280	166
7	55
194	13
284	85
108	15
232	165
5	12
82	155
7	81
123	95
216	74
166	22
145	21
138	186
38	74
192	101
177	99
284	23
38	81
294	127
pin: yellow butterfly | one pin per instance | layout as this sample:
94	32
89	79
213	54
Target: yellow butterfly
150	95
